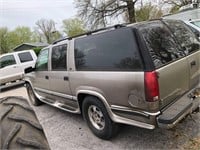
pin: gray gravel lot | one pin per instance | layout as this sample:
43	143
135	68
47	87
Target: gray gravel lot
69	131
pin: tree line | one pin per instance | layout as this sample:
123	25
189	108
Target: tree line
92	14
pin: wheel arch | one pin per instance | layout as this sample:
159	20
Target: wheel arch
83	93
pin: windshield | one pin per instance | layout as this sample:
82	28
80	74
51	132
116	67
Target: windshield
196	23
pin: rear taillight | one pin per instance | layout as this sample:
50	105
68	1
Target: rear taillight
151	86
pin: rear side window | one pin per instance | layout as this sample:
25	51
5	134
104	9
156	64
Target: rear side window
7	61
160	43
42	61
115	50
25	57
59	57
185	37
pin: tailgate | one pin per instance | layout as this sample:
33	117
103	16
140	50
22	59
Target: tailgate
173	81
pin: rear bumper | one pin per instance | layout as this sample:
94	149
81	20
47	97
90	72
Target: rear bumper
184	106
166	118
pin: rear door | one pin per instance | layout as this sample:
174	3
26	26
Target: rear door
169	61
58	74
191	47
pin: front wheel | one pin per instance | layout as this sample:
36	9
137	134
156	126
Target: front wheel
34	100
97	118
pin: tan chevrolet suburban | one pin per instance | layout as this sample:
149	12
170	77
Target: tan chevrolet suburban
144	74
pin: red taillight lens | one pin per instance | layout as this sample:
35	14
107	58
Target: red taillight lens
151	86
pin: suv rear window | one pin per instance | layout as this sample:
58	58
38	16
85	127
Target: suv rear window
160	43
25	56
114	50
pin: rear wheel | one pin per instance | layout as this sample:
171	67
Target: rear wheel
97	118
34	100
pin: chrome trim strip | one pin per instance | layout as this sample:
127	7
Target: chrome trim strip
113	116
73	98
127	109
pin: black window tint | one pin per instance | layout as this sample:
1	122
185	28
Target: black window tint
185	37
160	43
109	51
24	57
59	60
7	61
42	61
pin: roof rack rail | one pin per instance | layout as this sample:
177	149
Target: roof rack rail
117	26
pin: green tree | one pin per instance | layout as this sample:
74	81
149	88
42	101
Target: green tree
18	36
4	45
147	12
73	27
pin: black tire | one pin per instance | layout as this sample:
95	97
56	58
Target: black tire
104	130
20	128
33	99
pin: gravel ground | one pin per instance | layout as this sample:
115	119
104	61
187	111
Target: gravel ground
69	131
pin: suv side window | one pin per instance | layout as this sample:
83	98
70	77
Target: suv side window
25	57
42	61
59	57
114	50
185	37
160	43
7	61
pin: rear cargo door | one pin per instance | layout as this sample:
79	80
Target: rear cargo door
191	47
169	61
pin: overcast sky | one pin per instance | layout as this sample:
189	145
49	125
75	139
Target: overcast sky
15	13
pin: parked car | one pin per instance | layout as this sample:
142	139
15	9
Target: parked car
194	25
12	65
144	74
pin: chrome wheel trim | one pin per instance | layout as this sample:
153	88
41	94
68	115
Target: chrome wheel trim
96	117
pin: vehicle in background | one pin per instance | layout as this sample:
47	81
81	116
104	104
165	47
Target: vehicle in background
12	65
194	25
190	14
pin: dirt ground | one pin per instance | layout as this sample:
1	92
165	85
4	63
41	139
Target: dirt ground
69	131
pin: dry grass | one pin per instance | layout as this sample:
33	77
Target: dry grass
193	144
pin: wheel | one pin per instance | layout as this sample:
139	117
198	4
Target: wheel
20	128
34	100
97	118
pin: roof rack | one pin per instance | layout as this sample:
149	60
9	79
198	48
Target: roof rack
117	26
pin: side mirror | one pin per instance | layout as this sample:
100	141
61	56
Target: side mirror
28	70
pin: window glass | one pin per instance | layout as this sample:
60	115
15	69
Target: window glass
42	61
58	59
25	56
109	51
185	37
7	61
160	43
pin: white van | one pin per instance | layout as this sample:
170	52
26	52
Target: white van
12	65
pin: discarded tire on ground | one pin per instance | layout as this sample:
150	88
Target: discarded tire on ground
20	128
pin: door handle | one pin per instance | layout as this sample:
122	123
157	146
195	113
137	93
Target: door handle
66	78
47	77
193	63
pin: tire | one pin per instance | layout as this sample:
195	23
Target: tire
97	118
34	100
20	128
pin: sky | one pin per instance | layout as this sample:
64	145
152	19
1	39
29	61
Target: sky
15	13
